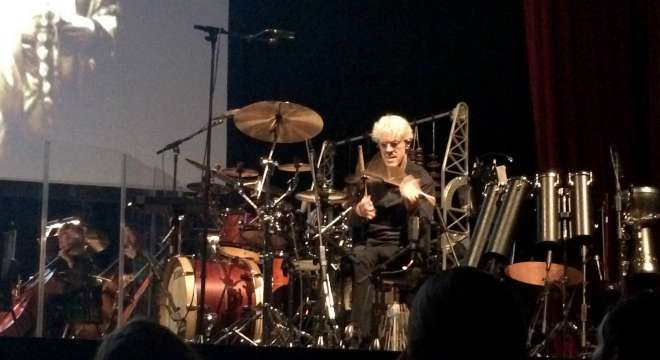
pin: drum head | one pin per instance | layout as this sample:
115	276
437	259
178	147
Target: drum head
233	288
175	313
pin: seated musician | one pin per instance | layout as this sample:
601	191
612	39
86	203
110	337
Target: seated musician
385	210
73	269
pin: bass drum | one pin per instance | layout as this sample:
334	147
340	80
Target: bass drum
233	288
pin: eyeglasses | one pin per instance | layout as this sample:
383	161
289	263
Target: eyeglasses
393	144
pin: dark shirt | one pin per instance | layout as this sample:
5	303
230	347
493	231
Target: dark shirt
77	277
390	223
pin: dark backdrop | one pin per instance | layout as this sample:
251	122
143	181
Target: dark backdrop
595	83
354	61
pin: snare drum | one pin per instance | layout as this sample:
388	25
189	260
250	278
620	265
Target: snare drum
233	287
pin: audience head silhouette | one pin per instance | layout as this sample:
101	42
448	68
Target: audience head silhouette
141	339
465	313
631	330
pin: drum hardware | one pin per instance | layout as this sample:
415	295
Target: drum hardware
543	299
618	208
328	326
564	213
582	225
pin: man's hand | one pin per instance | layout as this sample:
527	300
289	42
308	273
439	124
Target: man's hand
410	189
365	208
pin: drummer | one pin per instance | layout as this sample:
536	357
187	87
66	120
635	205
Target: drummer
384	212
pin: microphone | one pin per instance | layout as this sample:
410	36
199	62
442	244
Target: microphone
271	36
211	30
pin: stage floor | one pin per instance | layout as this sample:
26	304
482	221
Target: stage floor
55	349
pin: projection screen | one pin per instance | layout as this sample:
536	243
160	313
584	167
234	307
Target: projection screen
99	78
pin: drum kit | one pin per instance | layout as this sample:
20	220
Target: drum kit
256	247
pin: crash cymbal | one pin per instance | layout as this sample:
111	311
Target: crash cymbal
293	167
216	189
278	121
534	273
334	196
237	172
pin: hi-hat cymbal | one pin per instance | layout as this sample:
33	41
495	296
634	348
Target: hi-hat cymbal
278	121
334	196
534	273
293	167
216	189
237	172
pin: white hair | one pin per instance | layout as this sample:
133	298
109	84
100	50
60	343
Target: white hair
392	126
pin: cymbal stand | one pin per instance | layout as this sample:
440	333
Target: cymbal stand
329	324
266	214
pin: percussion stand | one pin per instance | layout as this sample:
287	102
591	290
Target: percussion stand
542	309
266	217
566	234
329	324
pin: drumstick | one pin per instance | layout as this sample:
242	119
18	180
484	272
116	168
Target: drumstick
428	197
360	166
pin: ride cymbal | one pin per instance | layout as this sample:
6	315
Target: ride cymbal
237	172
334	196
293	167
278	121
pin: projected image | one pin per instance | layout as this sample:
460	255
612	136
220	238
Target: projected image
100	79
50	51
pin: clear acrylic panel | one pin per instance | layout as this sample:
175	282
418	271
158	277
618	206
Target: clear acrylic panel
91	200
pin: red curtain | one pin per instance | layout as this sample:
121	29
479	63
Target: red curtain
594	70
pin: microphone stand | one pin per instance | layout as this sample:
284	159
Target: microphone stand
174	146
212	37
